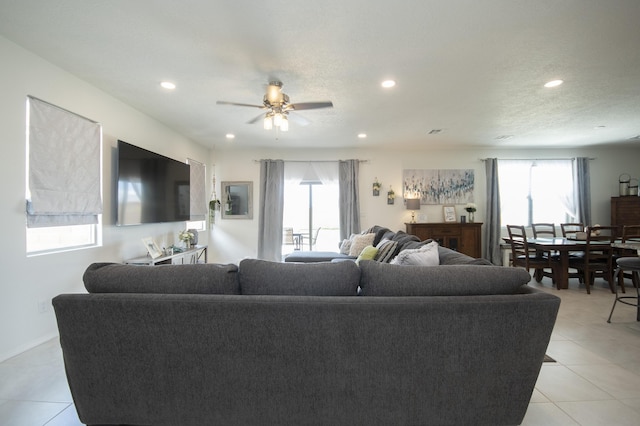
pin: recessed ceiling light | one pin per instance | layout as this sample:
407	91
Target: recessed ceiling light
362	135
388	84
553	83
168	85
230	136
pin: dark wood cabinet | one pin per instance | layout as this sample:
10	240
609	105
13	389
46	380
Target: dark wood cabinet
463	237
625	211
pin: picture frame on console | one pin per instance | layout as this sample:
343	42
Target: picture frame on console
152	248
449	213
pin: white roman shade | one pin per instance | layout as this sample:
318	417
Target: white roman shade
64	185
197	190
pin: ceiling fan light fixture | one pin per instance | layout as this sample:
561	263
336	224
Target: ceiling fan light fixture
284	125
277	119
268	123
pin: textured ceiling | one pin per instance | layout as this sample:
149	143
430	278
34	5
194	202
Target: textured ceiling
474	69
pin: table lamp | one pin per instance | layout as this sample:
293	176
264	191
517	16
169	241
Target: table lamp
413	204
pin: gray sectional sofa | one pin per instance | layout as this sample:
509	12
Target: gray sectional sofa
266	343
403	241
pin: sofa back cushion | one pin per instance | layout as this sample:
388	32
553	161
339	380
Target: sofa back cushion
201	278
383	279
298	279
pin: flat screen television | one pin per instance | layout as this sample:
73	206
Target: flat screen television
152	188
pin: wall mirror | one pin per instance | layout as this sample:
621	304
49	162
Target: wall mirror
237	200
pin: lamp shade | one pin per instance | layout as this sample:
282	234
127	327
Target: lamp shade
413	203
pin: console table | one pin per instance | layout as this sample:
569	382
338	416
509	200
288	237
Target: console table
463	237
192	255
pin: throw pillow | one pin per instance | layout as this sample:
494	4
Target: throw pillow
386	249
383	279
426	255
359	242
345	246
263	277
367	253
199	278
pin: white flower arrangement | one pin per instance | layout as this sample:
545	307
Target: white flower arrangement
471	207
186	236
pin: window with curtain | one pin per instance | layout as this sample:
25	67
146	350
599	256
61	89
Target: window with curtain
64	179
311	197
533	191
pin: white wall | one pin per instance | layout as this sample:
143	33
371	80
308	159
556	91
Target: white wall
233	240
28	281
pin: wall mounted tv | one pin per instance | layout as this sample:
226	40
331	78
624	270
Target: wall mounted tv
152	188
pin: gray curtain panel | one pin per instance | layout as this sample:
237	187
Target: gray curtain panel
492	240
271	209
582	189
349	199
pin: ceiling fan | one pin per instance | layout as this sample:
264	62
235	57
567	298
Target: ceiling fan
277	106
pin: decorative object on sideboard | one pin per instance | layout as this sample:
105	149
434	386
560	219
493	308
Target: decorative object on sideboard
152	248
633	187
187	237
471	209
449	213
391	196
376	188
623	184
413	204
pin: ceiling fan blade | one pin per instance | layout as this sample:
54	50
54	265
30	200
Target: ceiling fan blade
239	104
256	119
311	105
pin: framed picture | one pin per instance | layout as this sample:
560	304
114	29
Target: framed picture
449	213
152	247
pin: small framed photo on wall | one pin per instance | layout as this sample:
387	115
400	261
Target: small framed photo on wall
449	213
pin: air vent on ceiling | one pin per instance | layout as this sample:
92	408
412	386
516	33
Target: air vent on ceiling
503	137
434	131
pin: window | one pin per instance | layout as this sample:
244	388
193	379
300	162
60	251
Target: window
64	179
533	191
311	205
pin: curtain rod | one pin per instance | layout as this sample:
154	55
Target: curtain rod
314	161
535	159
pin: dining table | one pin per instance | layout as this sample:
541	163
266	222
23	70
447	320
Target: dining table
563	246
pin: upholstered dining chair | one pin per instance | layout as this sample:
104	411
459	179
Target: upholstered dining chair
630	234
523	256
598	256
631	265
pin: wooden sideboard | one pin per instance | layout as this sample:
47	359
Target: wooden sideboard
463	237
625	211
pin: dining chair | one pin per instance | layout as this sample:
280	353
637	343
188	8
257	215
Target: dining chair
523	256
545	230
598	256
571	228
630	234
631	265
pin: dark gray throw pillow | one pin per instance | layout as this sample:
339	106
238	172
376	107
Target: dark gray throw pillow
200	278
298	279
383	279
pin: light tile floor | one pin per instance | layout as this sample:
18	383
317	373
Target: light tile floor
595	381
